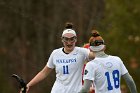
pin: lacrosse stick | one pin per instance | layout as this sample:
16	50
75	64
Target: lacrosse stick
21	83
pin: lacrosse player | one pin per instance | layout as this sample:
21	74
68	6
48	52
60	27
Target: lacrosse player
68	62
105	71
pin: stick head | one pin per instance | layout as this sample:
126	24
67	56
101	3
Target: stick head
21	82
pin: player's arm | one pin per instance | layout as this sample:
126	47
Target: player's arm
40	76
91	55
86	86
130	82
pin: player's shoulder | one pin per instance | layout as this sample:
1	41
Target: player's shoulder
81	49
93	62
58	50
115	57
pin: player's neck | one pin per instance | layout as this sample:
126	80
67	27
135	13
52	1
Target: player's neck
101	54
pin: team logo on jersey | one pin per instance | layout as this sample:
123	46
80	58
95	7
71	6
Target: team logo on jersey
66	60
85	72
108	65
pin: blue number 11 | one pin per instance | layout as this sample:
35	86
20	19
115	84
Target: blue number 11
115	77
65	69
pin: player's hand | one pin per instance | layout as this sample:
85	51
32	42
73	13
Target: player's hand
27	89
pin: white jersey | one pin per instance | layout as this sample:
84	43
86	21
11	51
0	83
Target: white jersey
105	73
68	69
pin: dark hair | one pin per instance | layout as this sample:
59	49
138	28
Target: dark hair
95	33
68	25
95	39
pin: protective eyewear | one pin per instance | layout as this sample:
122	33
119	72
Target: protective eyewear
66	39
97	43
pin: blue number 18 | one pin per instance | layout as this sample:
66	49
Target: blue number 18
115	77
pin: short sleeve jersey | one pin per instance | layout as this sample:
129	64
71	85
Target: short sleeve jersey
105	73
68	69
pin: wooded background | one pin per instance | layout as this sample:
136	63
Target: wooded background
31	29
